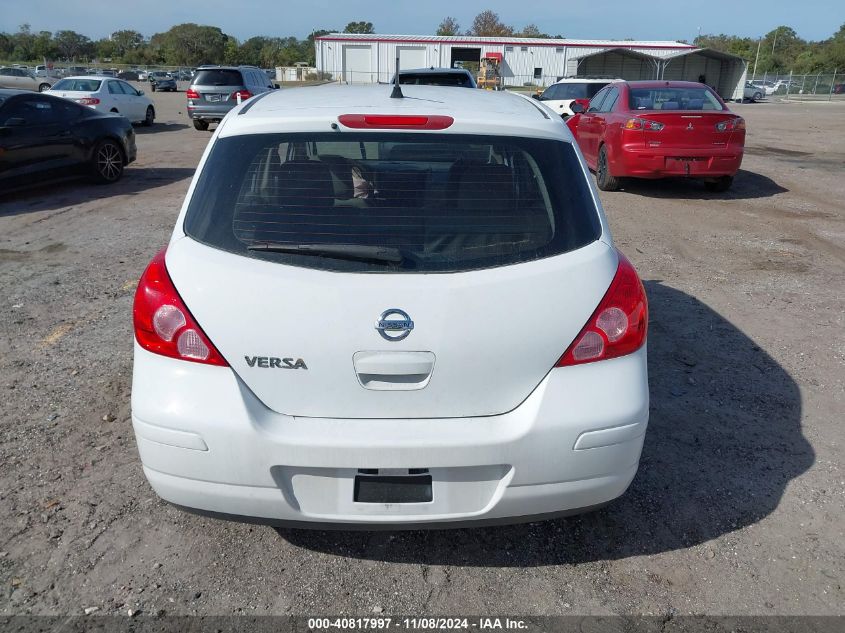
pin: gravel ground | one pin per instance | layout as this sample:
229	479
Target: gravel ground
737	508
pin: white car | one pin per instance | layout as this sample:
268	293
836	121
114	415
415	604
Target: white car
752	92
395	312
560	96
768	87
107	94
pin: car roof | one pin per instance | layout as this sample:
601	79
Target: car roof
100	77
662	83
434	70
586	80
317	108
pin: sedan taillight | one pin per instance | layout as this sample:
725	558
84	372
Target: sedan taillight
729	125
637	123
163	324
89	101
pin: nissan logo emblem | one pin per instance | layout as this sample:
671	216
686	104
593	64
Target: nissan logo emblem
394	324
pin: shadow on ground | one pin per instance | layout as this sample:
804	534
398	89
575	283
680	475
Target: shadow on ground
747	185
158	128
60	195
724	440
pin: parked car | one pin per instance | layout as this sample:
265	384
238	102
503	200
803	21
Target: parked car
143	75
298	354
457	77
73	71
42	136
163	84
838	89
107	95
107	73
215	90
155	75
768	87
128	75
21	79
654	129
183	75
752	92
560	96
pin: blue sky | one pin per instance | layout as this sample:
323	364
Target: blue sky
654	19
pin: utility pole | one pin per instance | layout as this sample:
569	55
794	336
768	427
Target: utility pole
756	59
774	42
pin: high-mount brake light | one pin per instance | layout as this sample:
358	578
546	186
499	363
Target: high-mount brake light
637	123
396	121
190	93
163	324
618	326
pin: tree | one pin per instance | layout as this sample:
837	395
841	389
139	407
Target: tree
359	27
487	23
71	44
531	30
44	47
125	41
190	44
449	26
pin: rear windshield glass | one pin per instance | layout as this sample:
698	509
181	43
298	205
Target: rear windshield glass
461	80
673	99
218	77
392	202
576	91
78	85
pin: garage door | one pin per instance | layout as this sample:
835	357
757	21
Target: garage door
412	57
356	64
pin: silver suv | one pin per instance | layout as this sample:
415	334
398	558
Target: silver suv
215	90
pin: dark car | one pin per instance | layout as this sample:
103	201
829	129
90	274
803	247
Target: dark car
163	84
128	75
50	137
458	77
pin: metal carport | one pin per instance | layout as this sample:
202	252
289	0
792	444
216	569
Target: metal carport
724	72
619	63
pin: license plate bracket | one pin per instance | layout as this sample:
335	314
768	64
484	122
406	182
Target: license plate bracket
393	489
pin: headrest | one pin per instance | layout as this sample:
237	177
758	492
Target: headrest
305	184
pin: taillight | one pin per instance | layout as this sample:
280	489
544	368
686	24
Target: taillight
643	124
243	94
88	101
192	94
163	324
618	326
396	121
729	125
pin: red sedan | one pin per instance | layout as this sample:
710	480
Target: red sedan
655	129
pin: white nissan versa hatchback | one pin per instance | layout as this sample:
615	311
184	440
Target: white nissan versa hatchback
401	312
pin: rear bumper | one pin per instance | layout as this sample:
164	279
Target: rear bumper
208	444
209	112
694	163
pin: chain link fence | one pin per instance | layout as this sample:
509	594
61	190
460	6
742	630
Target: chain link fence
826	86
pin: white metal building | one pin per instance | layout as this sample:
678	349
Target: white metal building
356	58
